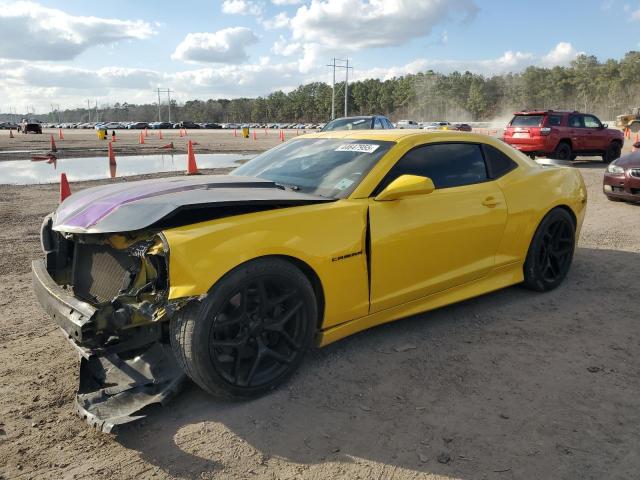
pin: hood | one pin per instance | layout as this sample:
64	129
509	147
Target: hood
168	202
630	160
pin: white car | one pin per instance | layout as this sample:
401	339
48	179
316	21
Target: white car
407	124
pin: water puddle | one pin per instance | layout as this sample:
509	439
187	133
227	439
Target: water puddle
47	170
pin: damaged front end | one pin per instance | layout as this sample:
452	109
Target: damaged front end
108	293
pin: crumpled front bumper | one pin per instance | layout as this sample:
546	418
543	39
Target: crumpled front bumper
116	382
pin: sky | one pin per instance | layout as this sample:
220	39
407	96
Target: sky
63	53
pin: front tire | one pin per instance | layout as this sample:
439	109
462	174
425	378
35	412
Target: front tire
551	251
613	151
251	331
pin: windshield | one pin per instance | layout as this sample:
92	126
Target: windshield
527	121
331	167
348	124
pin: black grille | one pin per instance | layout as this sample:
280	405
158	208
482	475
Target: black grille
100	272
635	172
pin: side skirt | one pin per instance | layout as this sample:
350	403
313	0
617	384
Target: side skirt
502	277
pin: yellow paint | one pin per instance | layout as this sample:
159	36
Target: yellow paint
428	249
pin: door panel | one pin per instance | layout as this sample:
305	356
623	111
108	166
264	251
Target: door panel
425	244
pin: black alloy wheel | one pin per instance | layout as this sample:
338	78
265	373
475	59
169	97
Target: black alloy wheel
551	251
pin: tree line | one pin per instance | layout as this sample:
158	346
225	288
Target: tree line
606	88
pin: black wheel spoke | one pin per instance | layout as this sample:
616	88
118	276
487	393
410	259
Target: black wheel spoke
254	367
282	298
287	338
280	323
269	352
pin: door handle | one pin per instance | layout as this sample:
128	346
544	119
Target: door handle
490	202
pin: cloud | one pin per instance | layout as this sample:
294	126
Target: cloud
242	7
31	31
358	24
287	2
224	46
285	48
281	20
36	84
562	54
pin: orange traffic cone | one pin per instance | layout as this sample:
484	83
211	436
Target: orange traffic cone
192	168
168	146
60	134
53	144
112	170
160	135
235	132
141	141
112	156
180	133
255	135
113	136
65	190
11	134
146	132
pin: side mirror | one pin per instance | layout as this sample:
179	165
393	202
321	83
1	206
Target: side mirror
636	145
605	125
406	186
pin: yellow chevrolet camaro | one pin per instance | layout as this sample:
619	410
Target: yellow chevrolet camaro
230	279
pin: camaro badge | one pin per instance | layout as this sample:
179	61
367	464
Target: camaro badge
348	255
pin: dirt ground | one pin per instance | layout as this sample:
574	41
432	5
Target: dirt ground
511	385
85	143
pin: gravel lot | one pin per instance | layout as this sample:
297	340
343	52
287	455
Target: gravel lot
510	385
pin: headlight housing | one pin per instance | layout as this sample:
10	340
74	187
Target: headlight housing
613	168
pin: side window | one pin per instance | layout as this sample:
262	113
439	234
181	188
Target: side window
591	122
447	164
498	164
388	123
575	121
555	120
378	124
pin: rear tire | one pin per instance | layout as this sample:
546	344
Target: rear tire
562	151
551	251
251	331
613	151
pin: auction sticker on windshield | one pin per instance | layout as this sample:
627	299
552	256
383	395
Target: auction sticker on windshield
357	147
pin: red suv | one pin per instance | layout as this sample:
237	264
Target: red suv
563	135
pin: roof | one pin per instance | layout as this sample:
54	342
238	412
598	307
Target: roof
397	134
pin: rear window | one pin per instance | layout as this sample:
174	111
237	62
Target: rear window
498	164
527	120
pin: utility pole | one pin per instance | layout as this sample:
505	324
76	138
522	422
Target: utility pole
169	101
333	85
346	87
159	118
168	92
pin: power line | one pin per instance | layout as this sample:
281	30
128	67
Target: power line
333	85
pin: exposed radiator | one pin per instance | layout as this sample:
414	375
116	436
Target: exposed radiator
100	272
